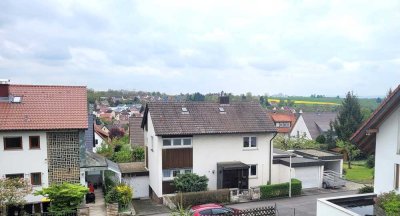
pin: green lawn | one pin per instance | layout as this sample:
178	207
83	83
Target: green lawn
359	173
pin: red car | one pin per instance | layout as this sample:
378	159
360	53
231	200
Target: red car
211	209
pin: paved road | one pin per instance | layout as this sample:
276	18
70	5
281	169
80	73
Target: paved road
304	205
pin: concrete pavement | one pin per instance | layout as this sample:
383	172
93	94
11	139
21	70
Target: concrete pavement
299	206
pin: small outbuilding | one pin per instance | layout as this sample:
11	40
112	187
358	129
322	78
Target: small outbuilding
136	176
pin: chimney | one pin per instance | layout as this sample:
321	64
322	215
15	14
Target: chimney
223	99
4	88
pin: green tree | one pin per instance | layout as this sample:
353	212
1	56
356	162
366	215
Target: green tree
262	101
321	139
12	192
64	197
190	182
330	137
346	123
351	150
349	117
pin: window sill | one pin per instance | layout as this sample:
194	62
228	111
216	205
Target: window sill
250	149
253	177
37	148
12	149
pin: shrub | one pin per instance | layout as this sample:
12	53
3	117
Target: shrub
190	182
370	163
366	189
64	197
124	155
389	202
280	190
197	198
121	194
321	139
138	153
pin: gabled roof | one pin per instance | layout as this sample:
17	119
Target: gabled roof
365	136
45	108
284	117
206	118
135	131
318	123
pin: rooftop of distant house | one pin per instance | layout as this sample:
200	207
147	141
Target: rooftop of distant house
284	120
42	107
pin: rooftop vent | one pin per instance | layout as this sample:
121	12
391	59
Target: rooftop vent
221	110
185	110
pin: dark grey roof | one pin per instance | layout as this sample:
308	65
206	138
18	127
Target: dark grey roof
300	162
93	160
231	165
206	118
89	133
323	155
318	123
136	133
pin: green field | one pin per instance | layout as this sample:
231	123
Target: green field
313	103
359	173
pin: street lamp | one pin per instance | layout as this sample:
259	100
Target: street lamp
290	175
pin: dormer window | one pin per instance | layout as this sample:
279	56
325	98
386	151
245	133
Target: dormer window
185	110
282	124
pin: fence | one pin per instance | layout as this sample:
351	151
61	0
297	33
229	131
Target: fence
261	211
69	213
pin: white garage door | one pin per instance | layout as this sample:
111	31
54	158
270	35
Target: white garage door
309	176
140	186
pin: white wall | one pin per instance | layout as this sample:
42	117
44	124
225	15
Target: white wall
301	127
139	185
387	141
99	142
334	165
326	208
155	157
208	150
26	160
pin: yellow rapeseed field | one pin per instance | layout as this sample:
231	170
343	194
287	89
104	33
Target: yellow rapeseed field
306	102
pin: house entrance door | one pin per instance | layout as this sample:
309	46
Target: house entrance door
237	178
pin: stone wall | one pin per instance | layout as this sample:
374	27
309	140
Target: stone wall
63	156
112	209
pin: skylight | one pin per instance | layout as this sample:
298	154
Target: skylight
185	110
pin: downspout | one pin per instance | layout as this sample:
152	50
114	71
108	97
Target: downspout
270	157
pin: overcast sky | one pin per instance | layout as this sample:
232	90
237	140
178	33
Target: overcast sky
290	47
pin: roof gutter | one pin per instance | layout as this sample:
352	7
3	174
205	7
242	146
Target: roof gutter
270	157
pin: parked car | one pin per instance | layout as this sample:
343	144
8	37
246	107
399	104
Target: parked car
212	209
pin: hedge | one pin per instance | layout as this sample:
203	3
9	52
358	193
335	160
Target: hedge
280	190
197	198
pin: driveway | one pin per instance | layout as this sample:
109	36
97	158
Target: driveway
149	207
299	206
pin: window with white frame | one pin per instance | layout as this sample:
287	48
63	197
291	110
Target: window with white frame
249	142
253	170
283	124
170	174
177	142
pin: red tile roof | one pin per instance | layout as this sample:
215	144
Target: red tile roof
284	117
45	108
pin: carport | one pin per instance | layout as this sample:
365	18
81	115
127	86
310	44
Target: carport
308	171
332	161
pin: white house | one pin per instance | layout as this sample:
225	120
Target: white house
38	124
312	124
379	135
230	143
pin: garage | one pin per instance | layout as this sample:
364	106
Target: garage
309	176
136	176
309	171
